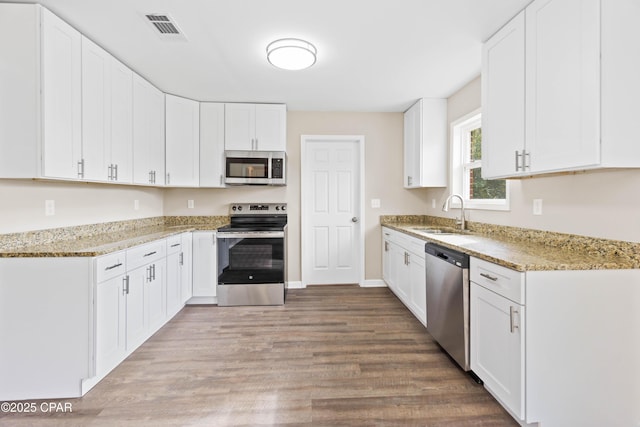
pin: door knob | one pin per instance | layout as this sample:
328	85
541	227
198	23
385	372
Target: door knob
354	219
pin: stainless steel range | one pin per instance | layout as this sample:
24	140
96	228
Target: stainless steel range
252	255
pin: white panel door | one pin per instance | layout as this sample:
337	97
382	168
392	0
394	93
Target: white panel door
271	127
211	144
239	126
331	210
121	142
182	142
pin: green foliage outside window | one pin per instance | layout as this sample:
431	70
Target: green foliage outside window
480	188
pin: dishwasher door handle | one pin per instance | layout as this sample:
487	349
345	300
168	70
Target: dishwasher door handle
442	256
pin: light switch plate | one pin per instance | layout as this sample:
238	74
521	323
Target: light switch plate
49	207
190	204
375	203
433	203
136	205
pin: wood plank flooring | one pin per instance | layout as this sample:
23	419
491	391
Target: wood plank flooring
331	356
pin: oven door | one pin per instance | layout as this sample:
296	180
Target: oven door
252	257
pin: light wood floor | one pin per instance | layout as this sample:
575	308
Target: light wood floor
332	356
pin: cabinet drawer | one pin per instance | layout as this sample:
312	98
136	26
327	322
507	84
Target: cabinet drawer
416	246
109	266
144	254
501	280
174	244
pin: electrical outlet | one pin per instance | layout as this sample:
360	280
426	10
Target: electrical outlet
433	203
49	207
136	205
375	203
190	204
537	206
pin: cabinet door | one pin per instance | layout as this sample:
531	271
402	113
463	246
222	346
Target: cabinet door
174	283
110	323
120	155
271	127
386	256
497	346
205	275
148	133
239	127
182	142
137	319
418	283
186	268
156	296
563	84
503	102
96	111
211	144
61	98
412	136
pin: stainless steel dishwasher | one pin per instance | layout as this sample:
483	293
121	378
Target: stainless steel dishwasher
448	300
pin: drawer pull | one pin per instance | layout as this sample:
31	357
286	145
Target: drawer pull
175	244
488	276
150	253
111	267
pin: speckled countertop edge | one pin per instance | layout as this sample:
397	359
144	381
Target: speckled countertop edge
524	249
100	239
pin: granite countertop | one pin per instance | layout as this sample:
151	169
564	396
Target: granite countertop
100	239
529	250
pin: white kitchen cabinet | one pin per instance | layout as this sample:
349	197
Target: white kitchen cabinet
498	332
212	144
577	68
205	272
186	266
425	144
255	127
404	270
503	91
40	95
107	116
182	142
110	305
148	133
178	272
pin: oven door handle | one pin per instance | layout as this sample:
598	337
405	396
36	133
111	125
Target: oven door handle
251	235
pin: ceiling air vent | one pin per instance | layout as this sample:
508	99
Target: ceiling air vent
165	26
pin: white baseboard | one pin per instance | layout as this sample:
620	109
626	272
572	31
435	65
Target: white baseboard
203	301
373	283
295	285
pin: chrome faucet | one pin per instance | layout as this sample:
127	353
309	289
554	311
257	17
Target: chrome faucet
445	208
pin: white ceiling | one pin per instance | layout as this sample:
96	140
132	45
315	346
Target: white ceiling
373	55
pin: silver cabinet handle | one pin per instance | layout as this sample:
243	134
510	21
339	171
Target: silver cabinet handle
408	258
175	244
111	267
181	258
149	254
487	276
386	246
512	323
409	181
518	155
526	160
115	177
168	178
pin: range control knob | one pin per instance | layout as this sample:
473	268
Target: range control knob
234	208
284	208
277	208
239	208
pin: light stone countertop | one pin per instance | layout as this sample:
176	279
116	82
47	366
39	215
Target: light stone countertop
100	239
527	250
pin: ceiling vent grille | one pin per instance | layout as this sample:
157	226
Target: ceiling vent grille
165	26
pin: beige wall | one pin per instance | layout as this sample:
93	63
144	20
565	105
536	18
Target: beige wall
383	180
22	204
598	204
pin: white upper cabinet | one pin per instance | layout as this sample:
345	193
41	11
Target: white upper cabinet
107	116
503	99
40	94
564	72
182	142
255	127
425	144
148	133
211	144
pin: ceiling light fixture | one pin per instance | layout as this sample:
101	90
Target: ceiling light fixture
291	54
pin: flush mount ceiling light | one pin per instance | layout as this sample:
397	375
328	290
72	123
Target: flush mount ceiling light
291	54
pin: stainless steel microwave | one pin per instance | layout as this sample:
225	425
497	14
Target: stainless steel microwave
255	167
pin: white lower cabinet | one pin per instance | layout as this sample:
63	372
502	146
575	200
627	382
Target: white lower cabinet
111	323
404	271
205	272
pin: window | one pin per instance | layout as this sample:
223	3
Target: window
467	178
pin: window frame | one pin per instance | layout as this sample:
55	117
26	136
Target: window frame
460	167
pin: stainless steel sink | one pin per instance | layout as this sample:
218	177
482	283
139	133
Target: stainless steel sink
439	230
